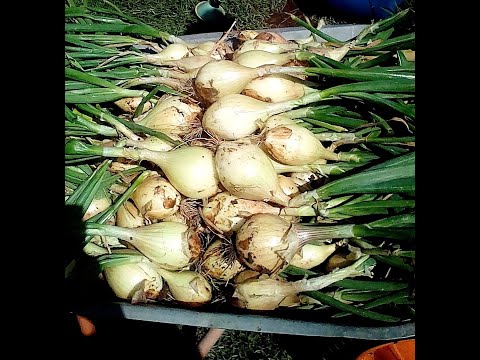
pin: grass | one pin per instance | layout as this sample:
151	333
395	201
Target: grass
245	345
175	16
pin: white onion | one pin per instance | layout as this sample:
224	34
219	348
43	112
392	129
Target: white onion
190	169
269	293
219	261
256	58
288	186
129	216
190	63
276	88
169	244
311	255
245	171
97	206
173	115
268	46
128	279
236	116
295	145
130	104
226	213
188	287
170	52
156	198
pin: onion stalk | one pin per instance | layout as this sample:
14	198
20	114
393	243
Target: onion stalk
169	244
190	169
268	293
396	175
266	242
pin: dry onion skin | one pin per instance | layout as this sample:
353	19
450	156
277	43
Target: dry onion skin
156	198
219	261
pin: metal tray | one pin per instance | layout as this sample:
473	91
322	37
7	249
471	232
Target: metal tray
227	318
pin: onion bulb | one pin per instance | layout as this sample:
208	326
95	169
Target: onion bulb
236	116
288	186
268	46
190	63
269	293
219	261
311	255
170	52
175	115
219	78
97	206
295	145
267	243
257	58
226	213
130	104
169	244
188	287
127	280
156	198
276	88
190	169
246	171
129	216
272	37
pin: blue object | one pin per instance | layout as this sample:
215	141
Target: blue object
209	10
368	9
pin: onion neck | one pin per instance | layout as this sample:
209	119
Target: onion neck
321	282
93	229
156	157
307	233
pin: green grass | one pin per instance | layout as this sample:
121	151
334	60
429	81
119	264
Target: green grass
174	16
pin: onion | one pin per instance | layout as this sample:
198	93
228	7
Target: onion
173	115
190	169
219	261
188	287
236	116
276	88
97	206
127	280
268	293
272	37
219	78
245	171
226	213
156	198
265	46
311	255
169	244
289	188
295	145
190	63
170	52
257	58
129	216
130	104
